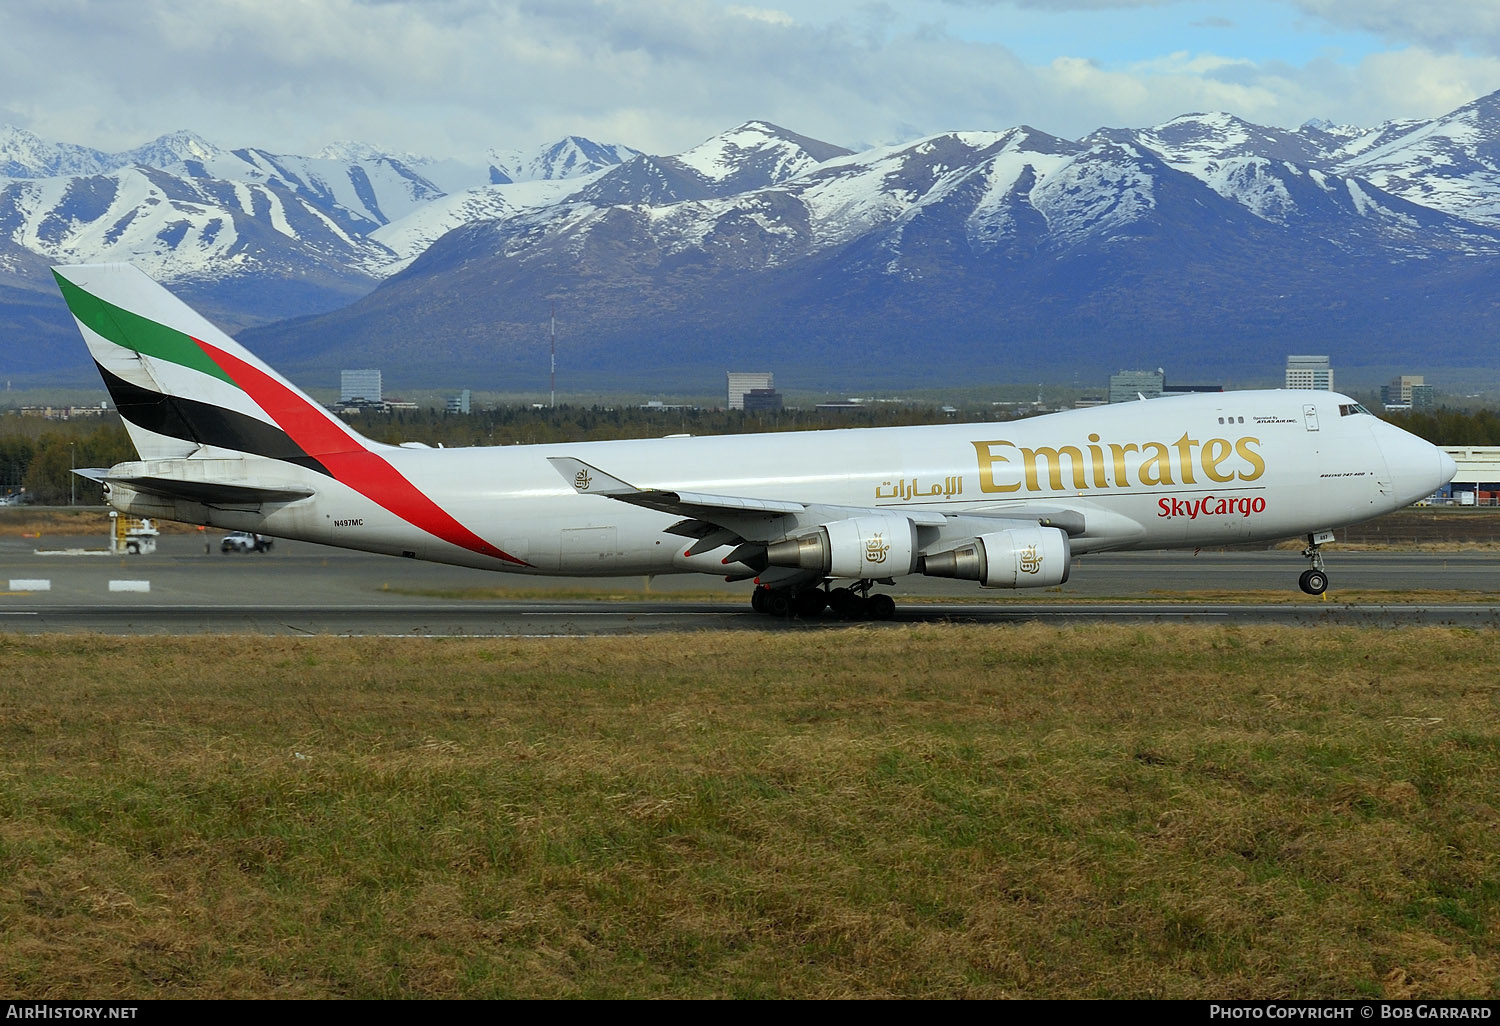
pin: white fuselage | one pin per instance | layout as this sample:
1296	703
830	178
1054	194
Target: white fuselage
1181	471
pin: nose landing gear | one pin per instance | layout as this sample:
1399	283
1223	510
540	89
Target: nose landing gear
1315	581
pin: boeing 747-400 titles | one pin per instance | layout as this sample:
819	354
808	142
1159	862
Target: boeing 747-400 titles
815	519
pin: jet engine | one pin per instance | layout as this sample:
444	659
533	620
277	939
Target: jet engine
861	547
1022	557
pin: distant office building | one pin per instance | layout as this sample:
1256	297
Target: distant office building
1398	392
761	400
459	403
63	412
1130	385
1409	391
741	382
1309	372
360	386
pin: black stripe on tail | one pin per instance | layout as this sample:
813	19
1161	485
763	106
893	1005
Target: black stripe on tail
203	423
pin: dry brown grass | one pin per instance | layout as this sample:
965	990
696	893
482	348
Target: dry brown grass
1030	811
25	522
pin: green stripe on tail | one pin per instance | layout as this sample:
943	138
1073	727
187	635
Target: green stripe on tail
138	333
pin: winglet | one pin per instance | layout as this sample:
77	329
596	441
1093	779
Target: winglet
588	480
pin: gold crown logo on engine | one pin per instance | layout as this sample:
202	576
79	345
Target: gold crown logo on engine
1031	562
875	549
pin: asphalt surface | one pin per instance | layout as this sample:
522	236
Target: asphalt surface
301	588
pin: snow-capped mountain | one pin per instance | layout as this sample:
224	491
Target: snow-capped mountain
570	157
1450	163
1207	241
174	227
24	155
407	238
754	155
966	249
576	171
1198	143
247	234
1019	188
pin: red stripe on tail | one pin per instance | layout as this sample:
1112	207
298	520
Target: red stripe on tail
346	459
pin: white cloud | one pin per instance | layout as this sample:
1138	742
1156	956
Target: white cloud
1184	63
461	76
762	14
1449	26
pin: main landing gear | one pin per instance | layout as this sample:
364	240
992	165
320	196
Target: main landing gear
1315	581
852	603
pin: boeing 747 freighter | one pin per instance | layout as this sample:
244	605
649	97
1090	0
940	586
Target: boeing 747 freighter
815	519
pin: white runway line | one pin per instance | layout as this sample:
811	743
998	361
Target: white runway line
129	585
29	584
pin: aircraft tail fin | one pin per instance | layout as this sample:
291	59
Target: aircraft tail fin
184	387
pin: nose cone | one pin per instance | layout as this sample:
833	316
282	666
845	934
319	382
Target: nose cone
1417	468
1446	468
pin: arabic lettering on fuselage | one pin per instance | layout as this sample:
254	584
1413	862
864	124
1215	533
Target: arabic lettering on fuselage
1067	468
911	491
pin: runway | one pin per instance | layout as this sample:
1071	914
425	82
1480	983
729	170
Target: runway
301	588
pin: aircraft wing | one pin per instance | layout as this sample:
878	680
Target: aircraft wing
590	480
716	520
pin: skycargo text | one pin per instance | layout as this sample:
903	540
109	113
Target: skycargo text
1209	506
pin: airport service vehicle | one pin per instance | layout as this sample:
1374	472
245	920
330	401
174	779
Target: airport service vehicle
132	537
815	519
245	541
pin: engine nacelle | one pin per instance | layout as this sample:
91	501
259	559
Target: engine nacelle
1022	557
862	547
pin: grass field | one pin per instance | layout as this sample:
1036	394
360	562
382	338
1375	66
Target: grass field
1029	811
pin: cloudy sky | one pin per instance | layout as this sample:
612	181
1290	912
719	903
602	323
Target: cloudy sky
457	77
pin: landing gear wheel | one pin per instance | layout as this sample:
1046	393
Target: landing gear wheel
1314	582
779	603
758	599
880	607
847	604
809	604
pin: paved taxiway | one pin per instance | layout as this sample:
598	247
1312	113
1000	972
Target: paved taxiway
300	588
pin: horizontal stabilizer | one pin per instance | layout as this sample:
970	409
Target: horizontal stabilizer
211	493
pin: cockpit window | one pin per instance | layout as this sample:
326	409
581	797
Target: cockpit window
1351	409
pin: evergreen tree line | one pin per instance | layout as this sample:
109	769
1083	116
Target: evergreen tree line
37	455
526	425
1450	427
